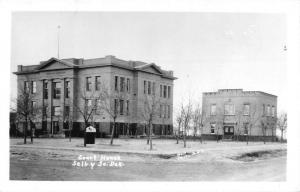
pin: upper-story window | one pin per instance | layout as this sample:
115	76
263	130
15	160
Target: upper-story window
246	109
33	87
88	83
67	111
56	110
264	110
26	86
116	106
122	84
88	102
127	107
145	87
128	85
160	90
229	109
153	88
121	107
56	90
97	83
67	91
149	88
165	91
268	110
169	91
45	89
116	83
213	109
273	111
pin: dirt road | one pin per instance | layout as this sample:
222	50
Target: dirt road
31	164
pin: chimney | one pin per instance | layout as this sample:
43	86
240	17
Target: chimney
20	67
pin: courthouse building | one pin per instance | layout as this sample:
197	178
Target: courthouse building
229	113
57	85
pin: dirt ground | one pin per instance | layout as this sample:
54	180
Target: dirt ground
210	161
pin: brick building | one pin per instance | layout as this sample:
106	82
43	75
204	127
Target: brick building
229	113
58	83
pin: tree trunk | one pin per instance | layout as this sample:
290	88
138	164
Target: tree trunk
281	137
177	139
70	132
150	135
112	133
25	130
31	134
184	139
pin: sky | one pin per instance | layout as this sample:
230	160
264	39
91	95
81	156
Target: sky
207	51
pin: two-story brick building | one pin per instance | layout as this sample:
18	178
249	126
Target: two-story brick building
57	85
231	112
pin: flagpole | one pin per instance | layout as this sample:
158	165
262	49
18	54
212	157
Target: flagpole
58	27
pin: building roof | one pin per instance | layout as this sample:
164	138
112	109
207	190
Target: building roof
236	91
109	60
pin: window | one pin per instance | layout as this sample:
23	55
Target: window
98	106
128	85
97	83
264	110
145	86
246	109
165	91
229	109
116	83
88	103
213	108
26	86
33	106
67	92
153	88
127	107
246	128
122	84
45	90
212	128
33	85
165	111
88	83
169	91
160	90
169	112
121	107
56	110
160	111
56	90
67	111
268	110
149	88
115	106
273	111
45	111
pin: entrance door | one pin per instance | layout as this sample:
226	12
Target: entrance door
228	130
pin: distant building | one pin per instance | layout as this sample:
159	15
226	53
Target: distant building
57	84
229	113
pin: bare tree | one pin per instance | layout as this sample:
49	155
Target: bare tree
220	118
264	128
196	115
179	120
239	118
27	110
149	112
89	101
187	117
253	119
112	102
282	124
